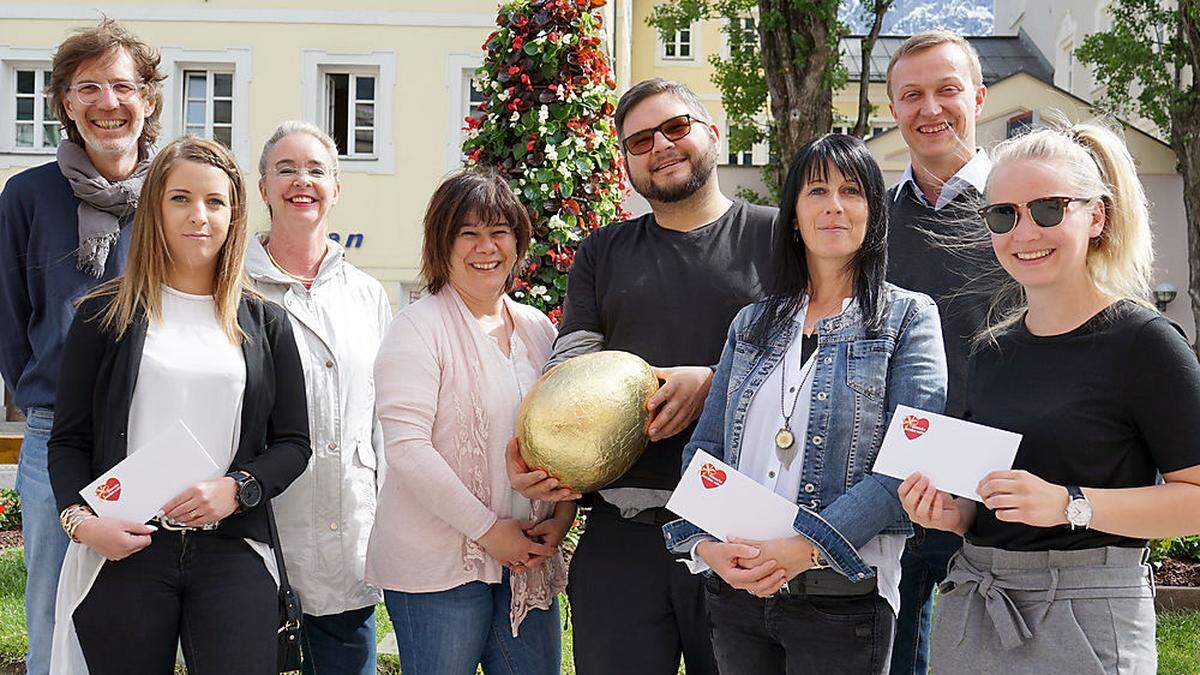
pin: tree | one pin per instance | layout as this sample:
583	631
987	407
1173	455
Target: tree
876	10
547	127
789	66
1147	62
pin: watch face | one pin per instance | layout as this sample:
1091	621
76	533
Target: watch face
250	494
1079	512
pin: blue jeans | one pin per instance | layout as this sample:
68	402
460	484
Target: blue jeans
922	568
339	644
45	542
451	632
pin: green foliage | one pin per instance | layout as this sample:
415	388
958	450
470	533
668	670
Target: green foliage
547	127
739	75
1183	548
1140	60
10	509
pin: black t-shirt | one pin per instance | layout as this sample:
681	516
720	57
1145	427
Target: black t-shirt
955	277
1106	405
669	298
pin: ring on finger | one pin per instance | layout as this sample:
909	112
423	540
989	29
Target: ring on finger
192	514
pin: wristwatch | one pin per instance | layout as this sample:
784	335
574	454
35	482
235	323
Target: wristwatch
249	491
1079	509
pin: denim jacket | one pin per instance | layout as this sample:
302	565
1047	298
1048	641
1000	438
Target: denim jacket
857	383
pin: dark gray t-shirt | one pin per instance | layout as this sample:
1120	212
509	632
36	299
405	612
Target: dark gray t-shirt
669	298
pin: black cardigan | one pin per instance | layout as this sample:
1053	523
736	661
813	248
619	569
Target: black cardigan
95	391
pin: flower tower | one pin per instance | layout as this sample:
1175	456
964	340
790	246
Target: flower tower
547	127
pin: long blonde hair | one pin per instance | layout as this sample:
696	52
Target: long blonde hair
1096	163
140	287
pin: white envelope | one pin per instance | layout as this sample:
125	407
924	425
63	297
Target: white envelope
137	488
955	455
726	503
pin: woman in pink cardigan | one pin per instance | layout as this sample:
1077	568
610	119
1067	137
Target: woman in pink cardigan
471	570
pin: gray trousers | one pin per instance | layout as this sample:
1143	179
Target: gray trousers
1087	612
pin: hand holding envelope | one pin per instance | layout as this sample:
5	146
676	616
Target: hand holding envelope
136	489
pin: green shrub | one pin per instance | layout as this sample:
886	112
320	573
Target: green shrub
1184	548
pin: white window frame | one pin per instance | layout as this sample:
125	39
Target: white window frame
459	70
176	61
13	59
1064	58
759	153
695	50
315	64
726	49
210	102
353	152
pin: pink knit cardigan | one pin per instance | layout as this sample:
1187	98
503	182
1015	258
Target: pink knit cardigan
448	405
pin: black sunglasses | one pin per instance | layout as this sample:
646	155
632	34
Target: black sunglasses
1046	212
641	142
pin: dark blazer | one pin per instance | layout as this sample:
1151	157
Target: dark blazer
95	391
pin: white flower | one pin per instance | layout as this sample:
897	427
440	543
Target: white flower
516	117
556	222
544	188
551	153
543	114
538	291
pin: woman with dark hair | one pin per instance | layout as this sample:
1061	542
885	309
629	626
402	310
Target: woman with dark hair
464	560
805	389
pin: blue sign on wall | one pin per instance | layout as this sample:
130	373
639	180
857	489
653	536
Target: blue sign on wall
353	240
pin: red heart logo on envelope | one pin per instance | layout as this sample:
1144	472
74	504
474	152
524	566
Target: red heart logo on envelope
711	477
110	491
914	427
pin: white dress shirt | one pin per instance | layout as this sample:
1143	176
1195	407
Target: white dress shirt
972	174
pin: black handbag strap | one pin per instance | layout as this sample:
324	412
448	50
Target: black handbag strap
284	586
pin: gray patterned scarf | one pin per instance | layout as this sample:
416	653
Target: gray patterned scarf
101	204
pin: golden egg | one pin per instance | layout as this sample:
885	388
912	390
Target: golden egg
584	420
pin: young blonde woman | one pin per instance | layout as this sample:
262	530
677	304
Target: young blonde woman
178	337
1104	391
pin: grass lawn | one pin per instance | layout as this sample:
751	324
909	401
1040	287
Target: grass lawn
1178	634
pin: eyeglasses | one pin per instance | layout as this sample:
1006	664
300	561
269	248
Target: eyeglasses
641	142
1046	212
88	93
292	172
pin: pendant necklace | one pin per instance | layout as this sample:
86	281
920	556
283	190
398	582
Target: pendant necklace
785	441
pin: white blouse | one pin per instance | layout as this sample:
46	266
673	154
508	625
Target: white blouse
758	460
189	371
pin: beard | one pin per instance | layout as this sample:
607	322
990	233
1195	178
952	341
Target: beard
702	167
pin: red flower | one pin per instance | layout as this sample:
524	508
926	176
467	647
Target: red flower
518	42
513	70
529	146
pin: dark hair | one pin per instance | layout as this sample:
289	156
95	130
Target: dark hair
98	41
481	193
789	278
653	87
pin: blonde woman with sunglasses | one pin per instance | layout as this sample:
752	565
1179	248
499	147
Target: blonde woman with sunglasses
1104	391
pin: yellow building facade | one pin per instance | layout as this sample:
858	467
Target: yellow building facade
391	81
393	84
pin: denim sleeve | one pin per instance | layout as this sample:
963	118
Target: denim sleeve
709	436
15	309
916	378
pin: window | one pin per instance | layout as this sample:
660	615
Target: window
746	32
208	105
207	93
34	126
350	112
680	46
473	95
755	156
350	97
1020	123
